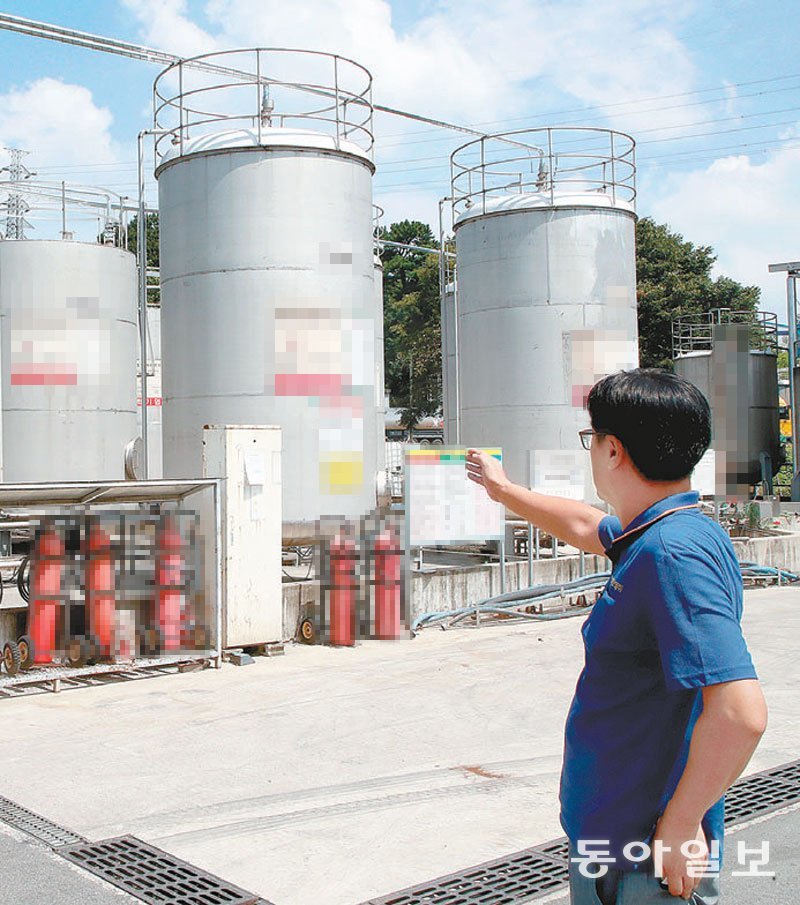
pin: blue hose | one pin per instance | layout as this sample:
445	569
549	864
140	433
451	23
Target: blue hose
752	568
501	604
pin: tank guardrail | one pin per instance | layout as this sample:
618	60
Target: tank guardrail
67	203
259	88
545	161
695	332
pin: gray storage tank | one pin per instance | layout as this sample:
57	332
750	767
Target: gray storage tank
544	223
68	325
732	358
268	281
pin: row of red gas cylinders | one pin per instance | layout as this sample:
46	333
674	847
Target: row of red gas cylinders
48	594
344	587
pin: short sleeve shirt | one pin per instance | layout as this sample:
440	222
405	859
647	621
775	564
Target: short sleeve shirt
666	625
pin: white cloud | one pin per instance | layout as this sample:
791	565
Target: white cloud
166	26
68	136
58	122
467	60
746	210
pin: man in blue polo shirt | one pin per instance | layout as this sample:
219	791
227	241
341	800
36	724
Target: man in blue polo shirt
667	710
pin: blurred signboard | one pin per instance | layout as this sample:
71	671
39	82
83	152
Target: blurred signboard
444	506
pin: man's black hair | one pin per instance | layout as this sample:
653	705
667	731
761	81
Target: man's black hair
662	420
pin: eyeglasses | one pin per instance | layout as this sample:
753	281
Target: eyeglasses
586	436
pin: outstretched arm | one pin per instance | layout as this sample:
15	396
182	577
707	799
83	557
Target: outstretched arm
571	521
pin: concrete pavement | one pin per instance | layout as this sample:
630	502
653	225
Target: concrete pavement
326	777
32	874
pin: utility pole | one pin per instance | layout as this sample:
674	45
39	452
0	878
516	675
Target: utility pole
792	271
15	205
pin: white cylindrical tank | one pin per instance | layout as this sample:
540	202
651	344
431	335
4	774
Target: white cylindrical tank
69	338
269	304
546	298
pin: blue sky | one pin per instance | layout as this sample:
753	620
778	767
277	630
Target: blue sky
709	91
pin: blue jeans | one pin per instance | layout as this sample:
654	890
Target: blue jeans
619	887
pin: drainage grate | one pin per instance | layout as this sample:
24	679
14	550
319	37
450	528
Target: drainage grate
763	793
533	872
513	878
153	875
39	827
788	773
558	848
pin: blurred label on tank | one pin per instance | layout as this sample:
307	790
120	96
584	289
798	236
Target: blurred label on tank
61	347
593	354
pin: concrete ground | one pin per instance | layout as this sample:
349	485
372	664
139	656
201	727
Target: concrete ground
32	874
329	776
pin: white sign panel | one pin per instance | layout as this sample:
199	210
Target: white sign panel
444	505
704	474
559	472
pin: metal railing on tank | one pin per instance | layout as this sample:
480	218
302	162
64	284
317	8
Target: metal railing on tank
263	89
62	209
377	226
695	332
547	162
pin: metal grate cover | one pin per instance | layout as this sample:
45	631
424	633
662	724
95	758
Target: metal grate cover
763	793
513	878
39	827
535	871
558	848
152	875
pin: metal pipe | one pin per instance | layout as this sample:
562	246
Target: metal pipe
457	362
218	568
791	302
434	251
45	30
141	255
530	555
259	98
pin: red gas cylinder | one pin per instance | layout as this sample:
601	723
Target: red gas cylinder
47	570
170	600
343	559
100	590
388	563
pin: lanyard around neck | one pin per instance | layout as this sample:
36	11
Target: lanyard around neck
619	544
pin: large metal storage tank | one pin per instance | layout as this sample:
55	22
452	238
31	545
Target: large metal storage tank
68	325
267	275
732	358
544	223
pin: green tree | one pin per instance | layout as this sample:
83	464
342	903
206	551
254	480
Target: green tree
411	321
674	278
